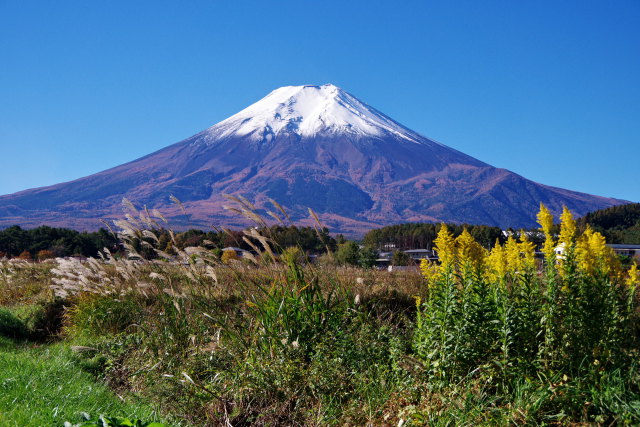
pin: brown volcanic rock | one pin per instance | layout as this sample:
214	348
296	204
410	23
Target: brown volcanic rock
304	146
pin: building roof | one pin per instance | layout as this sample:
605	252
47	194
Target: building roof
623	246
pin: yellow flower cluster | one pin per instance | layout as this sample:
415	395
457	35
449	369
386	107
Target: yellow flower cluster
634	277
445	245
511	259
464	255
471	254
593	254
545	219
567	228
497	262
430	270
591	251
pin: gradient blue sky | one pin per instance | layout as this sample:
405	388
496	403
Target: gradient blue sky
547	89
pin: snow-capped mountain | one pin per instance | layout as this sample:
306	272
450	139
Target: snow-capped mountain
303	146
309	111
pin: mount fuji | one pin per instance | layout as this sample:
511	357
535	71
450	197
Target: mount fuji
305	147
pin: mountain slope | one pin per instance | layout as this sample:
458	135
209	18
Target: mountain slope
303	146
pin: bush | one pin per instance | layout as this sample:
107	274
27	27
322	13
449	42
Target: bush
348	253
400	258
45	319
97	315
11	326
368	256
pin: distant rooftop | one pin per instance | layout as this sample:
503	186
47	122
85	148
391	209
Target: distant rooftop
623	246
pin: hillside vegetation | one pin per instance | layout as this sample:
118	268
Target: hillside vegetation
422	235
619	224
48	242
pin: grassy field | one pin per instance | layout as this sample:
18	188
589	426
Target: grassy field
44	386
483	337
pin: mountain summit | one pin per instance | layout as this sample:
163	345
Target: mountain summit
309	111
303	146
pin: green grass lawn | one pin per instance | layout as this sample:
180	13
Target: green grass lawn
41	386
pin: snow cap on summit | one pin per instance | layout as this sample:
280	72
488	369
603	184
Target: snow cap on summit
310	110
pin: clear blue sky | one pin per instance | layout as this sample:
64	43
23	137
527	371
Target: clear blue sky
547	89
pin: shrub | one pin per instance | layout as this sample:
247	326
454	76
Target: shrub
11	326
400	258
368	256
44	319
98	315
348	253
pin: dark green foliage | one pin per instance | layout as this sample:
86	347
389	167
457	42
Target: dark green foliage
11	326
61	241
368	256
623	216
305	238
619	224
98	315
422	235
400	258
348	253
44	319
308	239
37	322
64	242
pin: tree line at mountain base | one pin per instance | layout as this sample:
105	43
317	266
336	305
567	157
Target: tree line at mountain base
619	224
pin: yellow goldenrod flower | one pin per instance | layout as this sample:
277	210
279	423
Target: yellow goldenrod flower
429	271
470	253
545	219
584	255
445	246
633	279
593	254
512	249
528	252
496	262
600	251
418	300
567	228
